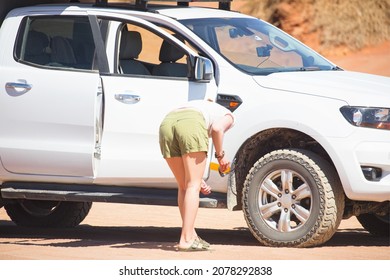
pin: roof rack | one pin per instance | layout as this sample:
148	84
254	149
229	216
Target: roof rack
142	4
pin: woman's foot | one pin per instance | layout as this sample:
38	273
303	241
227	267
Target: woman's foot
197	245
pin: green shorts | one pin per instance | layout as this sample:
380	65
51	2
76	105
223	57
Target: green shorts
182	132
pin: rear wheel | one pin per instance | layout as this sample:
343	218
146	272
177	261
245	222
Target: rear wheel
37	213
292	198
375	224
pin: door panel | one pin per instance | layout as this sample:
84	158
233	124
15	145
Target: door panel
50	99
151	76
50	129
130	145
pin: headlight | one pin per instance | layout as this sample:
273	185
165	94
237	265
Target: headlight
367	117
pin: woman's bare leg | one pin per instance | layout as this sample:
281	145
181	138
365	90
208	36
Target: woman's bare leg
188	171
177	167
194	166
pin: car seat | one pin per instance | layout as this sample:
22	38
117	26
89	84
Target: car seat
169	55
130	48
37	48
61	52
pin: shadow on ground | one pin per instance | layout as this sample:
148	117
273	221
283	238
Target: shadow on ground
148	237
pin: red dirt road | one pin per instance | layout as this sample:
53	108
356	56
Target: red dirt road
372	60
139	232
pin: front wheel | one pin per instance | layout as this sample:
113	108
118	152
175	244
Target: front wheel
292	198
37	213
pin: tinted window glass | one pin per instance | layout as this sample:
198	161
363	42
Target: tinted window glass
64	42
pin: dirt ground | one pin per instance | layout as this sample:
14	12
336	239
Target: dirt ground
139	232
372	60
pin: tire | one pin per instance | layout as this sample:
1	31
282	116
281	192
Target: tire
292	198
37	213
375	224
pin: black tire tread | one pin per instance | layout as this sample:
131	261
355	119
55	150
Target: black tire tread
67	214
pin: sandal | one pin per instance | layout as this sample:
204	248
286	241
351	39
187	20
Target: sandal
197	245
205	243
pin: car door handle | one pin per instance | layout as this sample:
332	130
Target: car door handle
127	98
17	88
21	86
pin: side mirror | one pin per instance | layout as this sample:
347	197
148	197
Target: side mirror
204	70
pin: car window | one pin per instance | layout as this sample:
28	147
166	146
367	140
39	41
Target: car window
253	49
64	42
143	52
257	47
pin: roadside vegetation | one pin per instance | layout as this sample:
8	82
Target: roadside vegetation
327	24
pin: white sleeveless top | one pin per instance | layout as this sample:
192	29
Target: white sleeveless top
211	111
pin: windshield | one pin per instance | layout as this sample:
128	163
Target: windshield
257	47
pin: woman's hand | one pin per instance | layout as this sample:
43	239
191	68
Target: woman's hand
204	188
224	164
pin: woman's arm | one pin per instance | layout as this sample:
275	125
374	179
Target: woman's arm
218	129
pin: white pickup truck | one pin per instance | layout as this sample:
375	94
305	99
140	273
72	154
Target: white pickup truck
84	87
